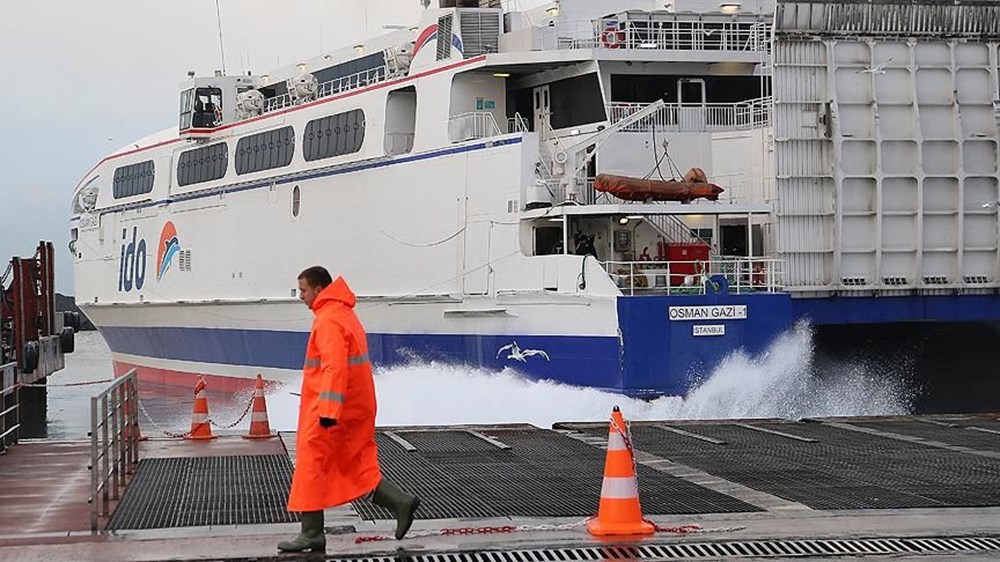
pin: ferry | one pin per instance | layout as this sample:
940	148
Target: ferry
608	194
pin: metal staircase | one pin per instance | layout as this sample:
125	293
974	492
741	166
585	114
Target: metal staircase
674	230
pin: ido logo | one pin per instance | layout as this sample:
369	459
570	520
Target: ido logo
132	266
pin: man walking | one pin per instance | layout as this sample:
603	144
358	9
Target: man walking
336	459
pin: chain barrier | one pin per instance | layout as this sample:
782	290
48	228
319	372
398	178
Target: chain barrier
167	433
453	531
509	529
62	385
145	414
237	422
626	434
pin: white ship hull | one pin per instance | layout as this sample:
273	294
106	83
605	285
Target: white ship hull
448	180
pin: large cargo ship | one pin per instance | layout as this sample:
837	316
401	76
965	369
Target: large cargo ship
607	194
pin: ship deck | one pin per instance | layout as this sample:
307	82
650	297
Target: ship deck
918	487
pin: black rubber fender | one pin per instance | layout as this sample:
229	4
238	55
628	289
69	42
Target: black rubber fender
72	320
67	339
30	361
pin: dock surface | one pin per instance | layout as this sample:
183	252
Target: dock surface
902	487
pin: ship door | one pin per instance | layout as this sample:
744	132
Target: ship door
691	98
541	99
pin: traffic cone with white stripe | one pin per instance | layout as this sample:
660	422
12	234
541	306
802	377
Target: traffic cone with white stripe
201	429
259	428
619	512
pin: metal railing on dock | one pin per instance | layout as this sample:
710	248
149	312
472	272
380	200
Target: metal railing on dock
114	443
9	405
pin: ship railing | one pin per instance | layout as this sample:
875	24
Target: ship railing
692	118
517	124
353	81
9	405
674	32
742	275
114	443
398	143
337	85
472	125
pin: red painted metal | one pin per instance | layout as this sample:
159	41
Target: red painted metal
692	258
28	302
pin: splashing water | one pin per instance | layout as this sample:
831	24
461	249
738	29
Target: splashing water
783	382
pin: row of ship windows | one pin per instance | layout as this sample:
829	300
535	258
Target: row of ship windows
336	135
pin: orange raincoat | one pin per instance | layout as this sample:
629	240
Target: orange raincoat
338	464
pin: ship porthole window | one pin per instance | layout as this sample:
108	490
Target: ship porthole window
296	201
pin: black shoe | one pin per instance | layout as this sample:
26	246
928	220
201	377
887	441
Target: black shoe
401	504
312	536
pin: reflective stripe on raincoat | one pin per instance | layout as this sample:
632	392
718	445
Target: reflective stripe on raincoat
339	464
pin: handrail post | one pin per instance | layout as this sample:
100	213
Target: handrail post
115	443
114	435
93	464
105	468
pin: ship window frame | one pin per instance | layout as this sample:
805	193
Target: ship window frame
338	134
203	164
264	151
133	179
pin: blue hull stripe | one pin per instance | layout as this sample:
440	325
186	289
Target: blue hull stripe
917	308
578	360
655	355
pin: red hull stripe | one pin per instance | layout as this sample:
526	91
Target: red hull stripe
433	71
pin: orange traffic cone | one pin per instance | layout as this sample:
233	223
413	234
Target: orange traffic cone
620	512
201	430
259	428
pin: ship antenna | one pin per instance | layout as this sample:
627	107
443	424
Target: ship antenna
222	45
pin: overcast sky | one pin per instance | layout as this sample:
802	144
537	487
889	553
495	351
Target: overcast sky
81	79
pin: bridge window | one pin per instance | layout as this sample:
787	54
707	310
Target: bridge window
201	108
265	151
203	164
134	179
336	135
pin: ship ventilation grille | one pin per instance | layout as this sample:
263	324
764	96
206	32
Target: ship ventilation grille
444	37
936	280
976	279
894	281
854	281
184	260
819	548
480	31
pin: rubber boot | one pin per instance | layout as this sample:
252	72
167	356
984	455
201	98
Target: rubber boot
401	504
311	537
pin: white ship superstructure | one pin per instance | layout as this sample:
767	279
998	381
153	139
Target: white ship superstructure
457	175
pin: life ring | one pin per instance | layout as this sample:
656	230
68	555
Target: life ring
612	38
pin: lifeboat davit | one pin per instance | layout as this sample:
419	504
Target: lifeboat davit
694	186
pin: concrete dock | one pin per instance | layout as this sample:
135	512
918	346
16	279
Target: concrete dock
913	487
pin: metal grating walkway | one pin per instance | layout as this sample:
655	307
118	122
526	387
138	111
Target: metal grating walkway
840	469
199	491
820	548
541	474
969	434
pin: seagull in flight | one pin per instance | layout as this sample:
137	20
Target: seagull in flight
880	69
519	354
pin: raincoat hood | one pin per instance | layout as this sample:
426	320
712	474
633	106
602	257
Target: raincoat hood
338	291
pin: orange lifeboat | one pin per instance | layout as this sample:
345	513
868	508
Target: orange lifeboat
694	186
